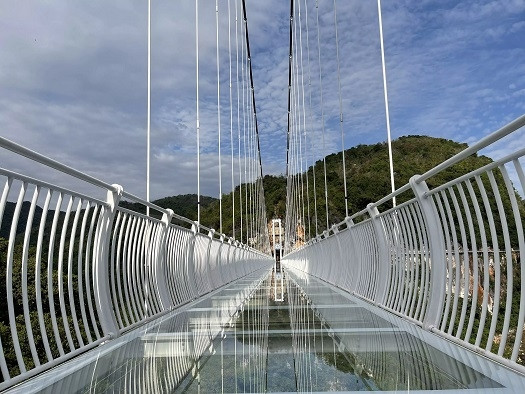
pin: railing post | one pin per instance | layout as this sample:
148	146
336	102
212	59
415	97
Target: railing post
438	272
352	258
191	266
208	267
102	286
161	262
383	272
218	263
338	259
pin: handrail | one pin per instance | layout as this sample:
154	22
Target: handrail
28	179
108	284
32	155
35	156
479	171
483	143
442	258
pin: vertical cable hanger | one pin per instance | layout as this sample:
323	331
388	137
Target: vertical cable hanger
340	107
241	81
296	127
297	149
387	114
310	115
252	169
299	139
243	72
288	136
197	103
231	117
219	112
252	98
249	162
293	174
246	125
304	119
322	109
148	131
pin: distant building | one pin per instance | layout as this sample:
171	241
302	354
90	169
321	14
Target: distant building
276	232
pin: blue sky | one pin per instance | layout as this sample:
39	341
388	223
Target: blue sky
73	81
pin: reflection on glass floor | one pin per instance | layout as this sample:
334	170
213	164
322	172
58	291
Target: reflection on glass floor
259	334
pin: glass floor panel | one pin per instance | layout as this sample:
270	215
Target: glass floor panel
292	333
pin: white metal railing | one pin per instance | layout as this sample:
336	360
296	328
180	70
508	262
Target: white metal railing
78	271
447	259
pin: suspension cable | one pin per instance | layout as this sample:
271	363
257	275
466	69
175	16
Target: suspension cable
197	103
340	107
304	118
310	115
249	163
300	184
297	151
387	114
244	141
293	213
253	106
322	109
288	136
231	117
219	113
148	131
239	112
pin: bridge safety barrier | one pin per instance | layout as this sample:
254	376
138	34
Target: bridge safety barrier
78	271
447	258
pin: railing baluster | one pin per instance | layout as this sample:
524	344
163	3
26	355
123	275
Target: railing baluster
521	243
89	262
80	272
383	273
38	273
50	287
496	254
161	267
61	293
25	295
508	256
9	278
484	249
71	297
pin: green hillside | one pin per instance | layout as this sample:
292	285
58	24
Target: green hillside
368	179
183	205
368	176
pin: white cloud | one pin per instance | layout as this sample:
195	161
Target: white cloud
73	81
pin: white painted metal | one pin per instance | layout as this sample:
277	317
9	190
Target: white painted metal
148	113
98	269
385	91
448	259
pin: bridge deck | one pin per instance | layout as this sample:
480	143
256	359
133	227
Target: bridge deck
241	338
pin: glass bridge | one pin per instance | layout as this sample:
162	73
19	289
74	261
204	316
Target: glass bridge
103	291
277	333
424	296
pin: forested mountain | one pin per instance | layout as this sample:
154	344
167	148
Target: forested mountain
368	178
183	205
